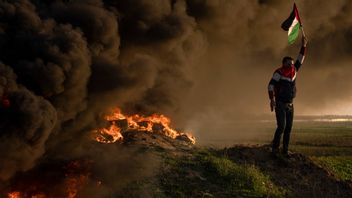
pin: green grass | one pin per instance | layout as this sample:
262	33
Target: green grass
329	144
340	166
319	151
208	174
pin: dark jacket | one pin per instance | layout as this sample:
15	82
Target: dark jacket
282	85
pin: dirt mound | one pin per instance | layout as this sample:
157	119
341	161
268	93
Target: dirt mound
156	141
298	173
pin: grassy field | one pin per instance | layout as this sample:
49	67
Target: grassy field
329	144
325	139
240	164
245	167
206	173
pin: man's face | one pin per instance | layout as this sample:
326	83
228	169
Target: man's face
288	63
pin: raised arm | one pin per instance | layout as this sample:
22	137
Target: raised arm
302	53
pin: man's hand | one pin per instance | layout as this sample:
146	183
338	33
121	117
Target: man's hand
272	104
304	41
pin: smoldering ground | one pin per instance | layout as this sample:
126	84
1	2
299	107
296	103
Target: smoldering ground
66	62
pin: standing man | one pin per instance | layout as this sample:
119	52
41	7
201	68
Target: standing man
282	90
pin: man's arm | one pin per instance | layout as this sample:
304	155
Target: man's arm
302	54
271	89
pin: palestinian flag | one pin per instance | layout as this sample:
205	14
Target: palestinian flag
292	24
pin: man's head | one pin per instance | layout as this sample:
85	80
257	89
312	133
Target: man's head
287	61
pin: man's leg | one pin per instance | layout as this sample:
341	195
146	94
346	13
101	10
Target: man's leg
287	132
280	121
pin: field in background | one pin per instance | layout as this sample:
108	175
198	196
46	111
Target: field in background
328	141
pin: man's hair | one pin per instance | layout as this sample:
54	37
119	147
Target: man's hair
286	58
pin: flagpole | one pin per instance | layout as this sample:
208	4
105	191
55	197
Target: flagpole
304	34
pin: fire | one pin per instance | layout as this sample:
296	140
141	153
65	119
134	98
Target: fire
76	175
17	194
154	123
114	132
75	180
14	195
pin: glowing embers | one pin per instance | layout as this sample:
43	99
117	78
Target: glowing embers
75	180
121	123
60	179
21	195
14	195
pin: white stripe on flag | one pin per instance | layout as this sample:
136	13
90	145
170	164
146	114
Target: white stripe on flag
294	23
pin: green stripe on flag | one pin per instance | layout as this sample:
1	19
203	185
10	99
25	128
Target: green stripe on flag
293	34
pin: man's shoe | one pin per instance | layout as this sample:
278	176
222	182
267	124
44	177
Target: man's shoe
274	152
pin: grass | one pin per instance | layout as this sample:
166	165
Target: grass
210	174
329	143
340	166
319	151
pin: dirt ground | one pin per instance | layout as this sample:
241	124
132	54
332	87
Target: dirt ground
298	173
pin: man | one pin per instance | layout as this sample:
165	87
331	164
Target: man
282	90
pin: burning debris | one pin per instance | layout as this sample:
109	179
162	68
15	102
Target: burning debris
63	63
73	178
120	123
57	180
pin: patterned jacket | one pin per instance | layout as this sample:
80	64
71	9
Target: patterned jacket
282	85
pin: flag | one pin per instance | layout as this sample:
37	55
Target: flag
292	24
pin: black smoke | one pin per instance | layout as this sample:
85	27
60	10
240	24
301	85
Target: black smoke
64	63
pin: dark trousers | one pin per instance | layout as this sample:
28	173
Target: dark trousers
284	119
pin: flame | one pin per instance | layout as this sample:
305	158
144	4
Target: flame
17	194
14	195
76	177
77	174
102	135
153	123
74	184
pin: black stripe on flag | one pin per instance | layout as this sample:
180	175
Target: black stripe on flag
288	22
